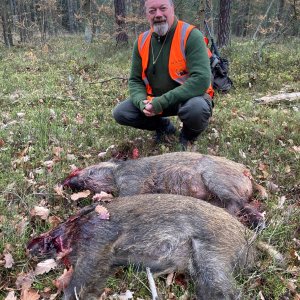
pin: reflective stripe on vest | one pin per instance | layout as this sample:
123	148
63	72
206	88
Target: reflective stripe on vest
177	60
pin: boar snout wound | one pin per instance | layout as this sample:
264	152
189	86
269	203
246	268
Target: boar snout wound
218	180
166	233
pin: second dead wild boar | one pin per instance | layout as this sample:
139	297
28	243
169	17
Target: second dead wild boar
167	233
218	180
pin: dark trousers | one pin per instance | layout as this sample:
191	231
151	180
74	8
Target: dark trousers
194	114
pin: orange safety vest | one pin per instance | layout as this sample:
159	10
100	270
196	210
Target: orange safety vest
177	61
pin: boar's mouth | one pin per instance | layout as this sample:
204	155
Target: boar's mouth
71	180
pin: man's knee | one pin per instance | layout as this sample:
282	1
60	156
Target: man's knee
196	110
118	114
125	113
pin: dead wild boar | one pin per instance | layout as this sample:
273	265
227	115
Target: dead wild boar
218	180
166	233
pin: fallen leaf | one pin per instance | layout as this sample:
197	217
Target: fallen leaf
272	187
57	151
45	266
48	164
242	153
63	281
126	296
296	149
169	279
261	296
80	195
79	119
21	226
9	261
102	196
71	157
11	296
287	169
59	190
281	201
102	154
103	212
29	294
54	221
41	212
24	280
2	143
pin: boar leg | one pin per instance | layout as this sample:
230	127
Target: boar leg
89	276
211	275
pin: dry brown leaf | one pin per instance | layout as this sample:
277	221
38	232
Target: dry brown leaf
45	266
281	201
57	151
169	279
54	221
296	149
29	294
272	187
9	261
261	296
80	195
287	169
79	119
41	212
102	211
21	226
102	196
49	164
24	280
297	297
59	190
63	281
2	143
11	296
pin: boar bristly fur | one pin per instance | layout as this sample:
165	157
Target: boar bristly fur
218	180
166	233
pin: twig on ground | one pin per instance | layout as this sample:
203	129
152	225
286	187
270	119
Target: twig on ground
152	284
110	79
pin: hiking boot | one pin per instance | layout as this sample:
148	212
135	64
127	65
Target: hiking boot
187	144
164	132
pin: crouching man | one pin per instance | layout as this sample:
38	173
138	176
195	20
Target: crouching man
170	75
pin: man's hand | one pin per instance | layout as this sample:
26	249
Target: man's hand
148	110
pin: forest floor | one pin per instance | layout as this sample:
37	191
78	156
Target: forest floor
56	113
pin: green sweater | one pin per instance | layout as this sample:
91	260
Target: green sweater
166	91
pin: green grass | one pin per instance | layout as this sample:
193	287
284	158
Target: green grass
53	97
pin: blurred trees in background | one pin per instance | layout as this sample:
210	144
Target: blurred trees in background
28	20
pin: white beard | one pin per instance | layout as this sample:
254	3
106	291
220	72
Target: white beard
161	28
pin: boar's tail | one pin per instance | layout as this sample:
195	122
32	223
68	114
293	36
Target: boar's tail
272	252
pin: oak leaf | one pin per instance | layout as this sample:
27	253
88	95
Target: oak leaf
102	211
45	266
80	195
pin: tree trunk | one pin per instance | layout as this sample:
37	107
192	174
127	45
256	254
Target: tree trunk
71	16
224	23
121	36
278	24
6	18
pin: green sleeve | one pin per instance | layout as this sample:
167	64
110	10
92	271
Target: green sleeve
199	74
137	88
